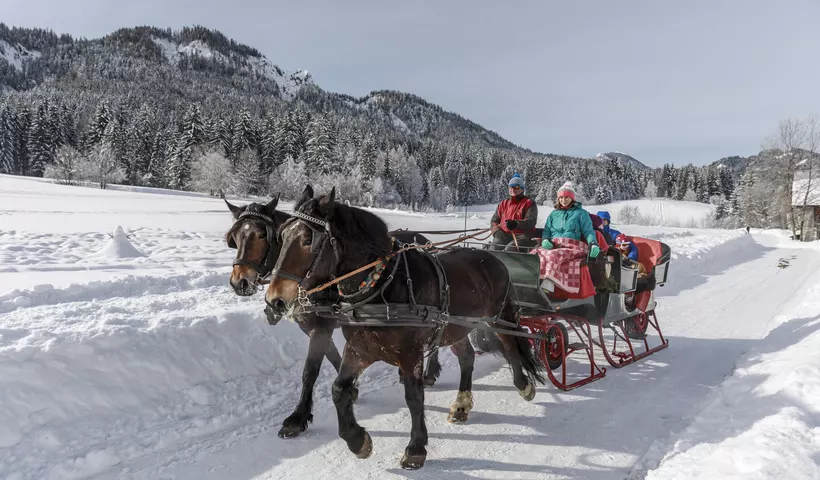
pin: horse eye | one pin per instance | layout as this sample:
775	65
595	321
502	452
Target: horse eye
262	235
307	241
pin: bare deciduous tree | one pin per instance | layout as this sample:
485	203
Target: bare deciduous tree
66	166
211	173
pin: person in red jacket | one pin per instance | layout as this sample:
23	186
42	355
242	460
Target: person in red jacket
514	216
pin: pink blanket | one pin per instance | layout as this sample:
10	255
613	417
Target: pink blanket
562	264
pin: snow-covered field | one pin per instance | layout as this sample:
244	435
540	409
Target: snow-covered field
128	356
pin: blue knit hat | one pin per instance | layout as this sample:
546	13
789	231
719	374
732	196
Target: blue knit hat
516	181
604	215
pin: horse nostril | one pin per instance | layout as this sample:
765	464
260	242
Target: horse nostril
279	304
243	284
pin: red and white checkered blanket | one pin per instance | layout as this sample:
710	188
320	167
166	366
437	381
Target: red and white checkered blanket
562	264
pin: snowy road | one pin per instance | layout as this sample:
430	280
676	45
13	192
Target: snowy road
597	432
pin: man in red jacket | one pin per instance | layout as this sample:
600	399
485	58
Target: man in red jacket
514	216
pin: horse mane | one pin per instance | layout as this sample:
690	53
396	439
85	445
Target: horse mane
359	230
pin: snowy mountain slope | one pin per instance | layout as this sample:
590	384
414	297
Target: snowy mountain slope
622	158
289	82
152	368
16	55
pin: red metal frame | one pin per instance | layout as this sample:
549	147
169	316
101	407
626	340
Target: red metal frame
542	324
625	357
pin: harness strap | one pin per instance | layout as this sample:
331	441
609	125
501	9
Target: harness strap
425	246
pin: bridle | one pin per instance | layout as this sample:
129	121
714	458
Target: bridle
319	237
264	269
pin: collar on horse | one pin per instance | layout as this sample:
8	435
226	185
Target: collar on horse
263	269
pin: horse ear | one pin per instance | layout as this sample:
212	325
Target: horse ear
307	194
236	211
326	203
271	206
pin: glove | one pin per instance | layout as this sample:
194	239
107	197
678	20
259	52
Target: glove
594	251
546	244
512	224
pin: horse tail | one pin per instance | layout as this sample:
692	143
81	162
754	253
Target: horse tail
530	363
490	342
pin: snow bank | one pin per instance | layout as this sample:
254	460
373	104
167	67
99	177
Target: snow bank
114	364
763	422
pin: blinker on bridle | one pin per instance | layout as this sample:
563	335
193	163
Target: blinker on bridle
316	247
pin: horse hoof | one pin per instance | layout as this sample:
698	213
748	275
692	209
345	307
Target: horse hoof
412	462
528	393
429	382
290	432
294	425
458	417
367	447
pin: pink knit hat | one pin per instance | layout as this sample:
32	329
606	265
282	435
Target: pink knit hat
567	190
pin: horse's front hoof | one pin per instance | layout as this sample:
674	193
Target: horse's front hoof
458	417
413	462
367	447
528	393
294	425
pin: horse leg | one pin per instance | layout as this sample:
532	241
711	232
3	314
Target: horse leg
357	439
301	417
460	409
416	451
525	366
335	359
433	369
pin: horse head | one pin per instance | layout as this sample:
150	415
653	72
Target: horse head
321	241
253	235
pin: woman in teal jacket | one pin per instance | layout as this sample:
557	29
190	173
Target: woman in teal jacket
569	220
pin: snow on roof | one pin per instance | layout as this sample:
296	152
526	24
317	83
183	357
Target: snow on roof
802	185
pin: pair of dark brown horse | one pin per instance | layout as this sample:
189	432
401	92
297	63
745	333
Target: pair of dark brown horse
325	240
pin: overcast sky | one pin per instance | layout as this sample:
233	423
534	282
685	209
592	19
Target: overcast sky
684	81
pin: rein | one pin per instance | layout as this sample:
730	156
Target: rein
426	246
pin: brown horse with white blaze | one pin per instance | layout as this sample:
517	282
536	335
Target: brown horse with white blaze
326	240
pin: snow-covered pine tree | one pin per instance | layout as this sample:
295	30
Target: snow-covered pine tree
269	155
7	140
602	195
40	143
367	160
321	144
99	122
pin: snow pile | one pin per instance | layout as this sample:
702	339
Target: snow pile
118	247
763	422
17	55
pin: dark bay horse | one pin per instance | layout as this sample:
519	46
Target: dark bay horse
325	240
253	235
